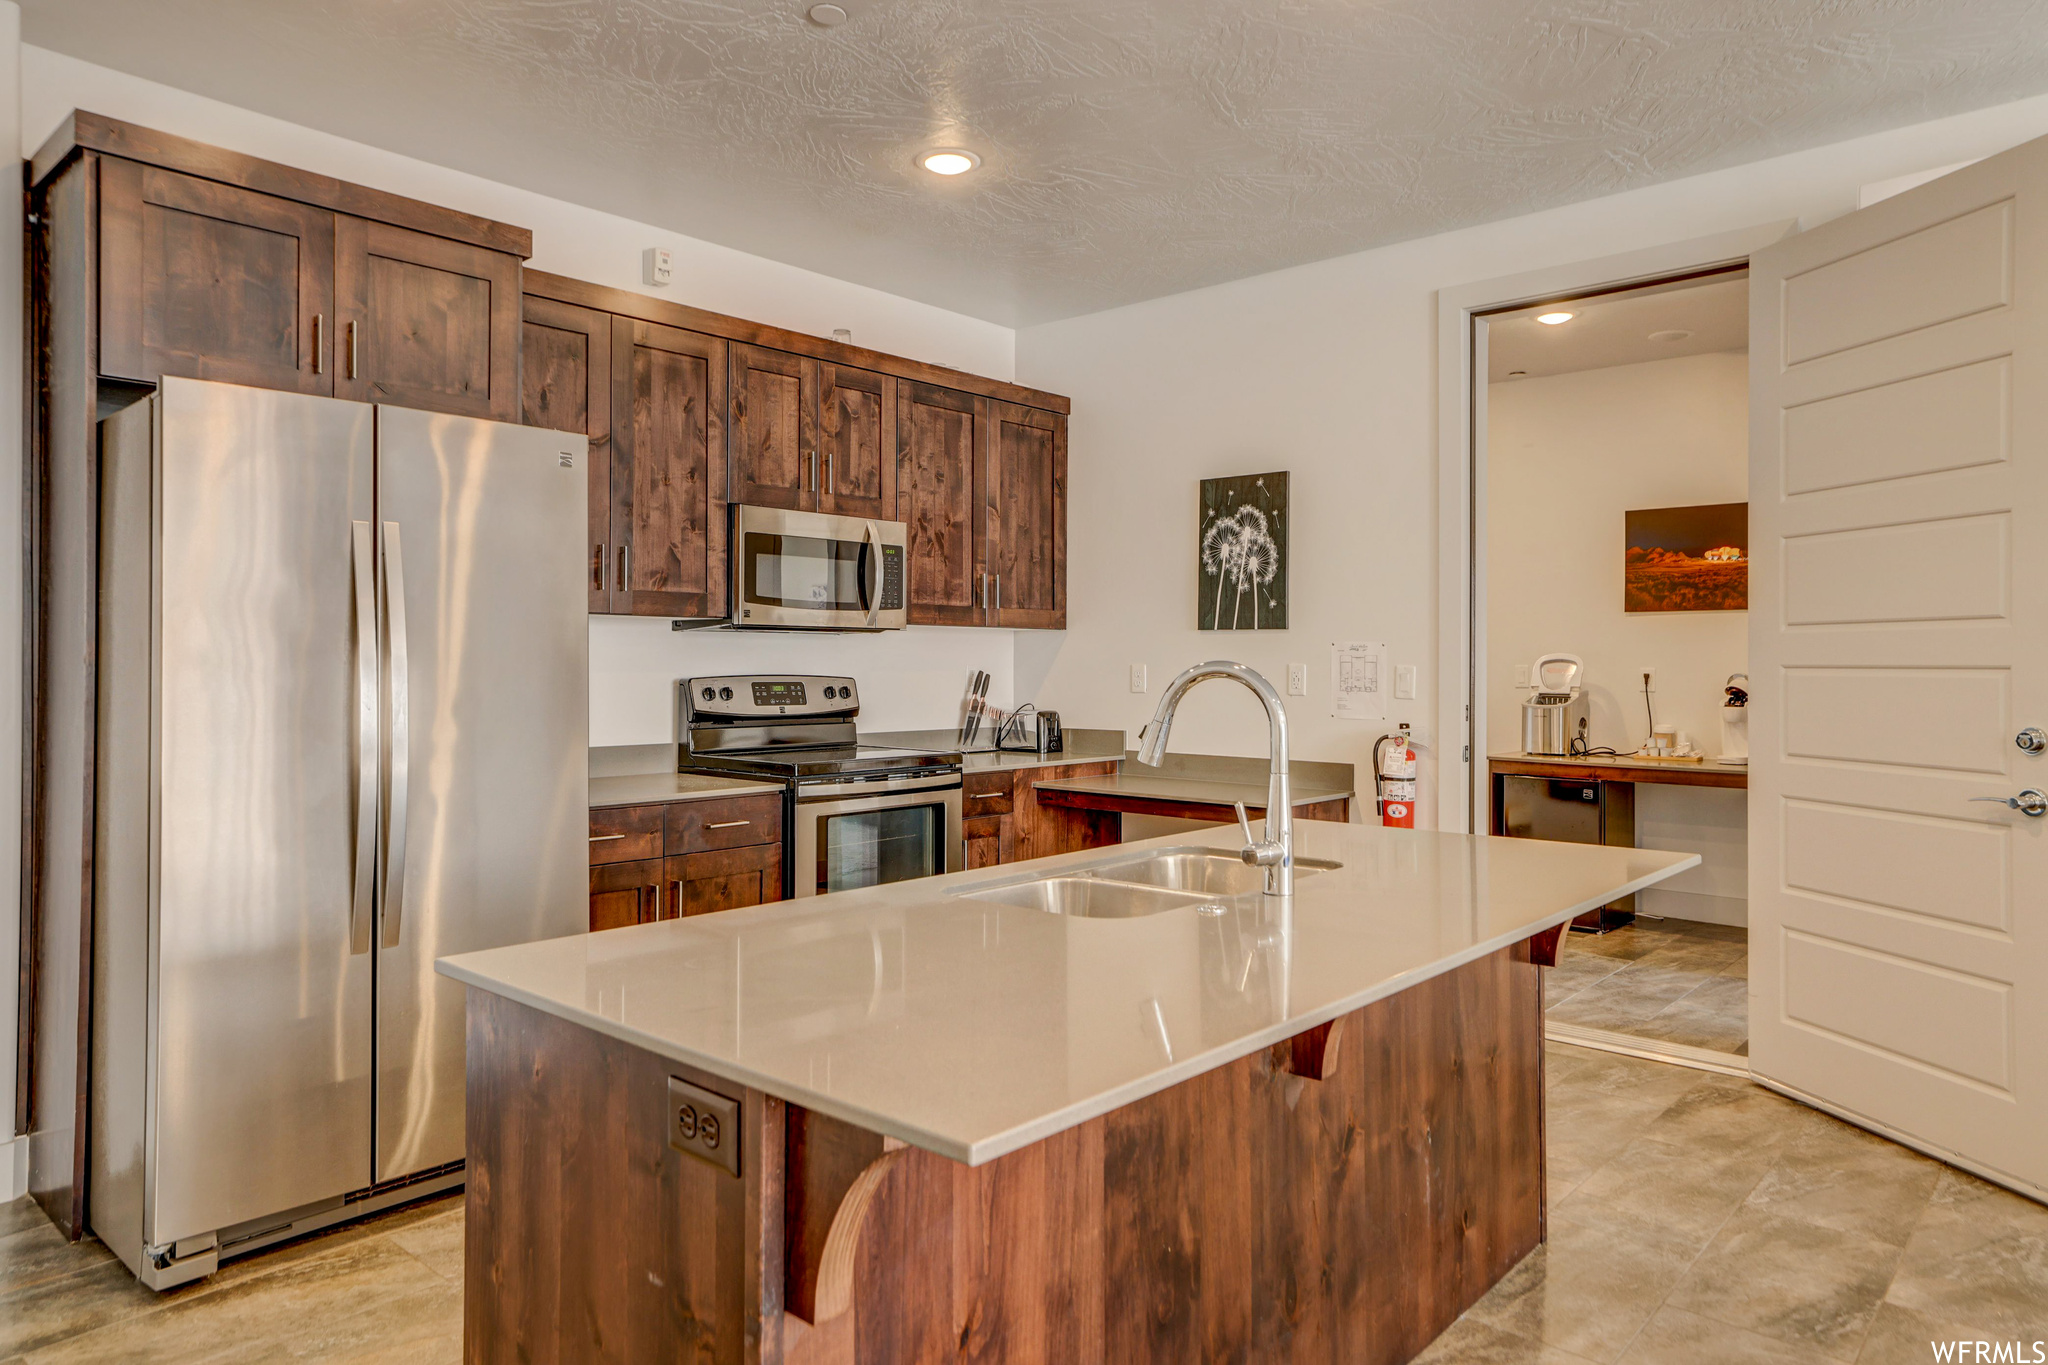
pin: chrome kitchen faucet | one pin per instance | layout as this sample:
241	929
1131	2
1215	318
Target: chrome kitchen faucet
1275	852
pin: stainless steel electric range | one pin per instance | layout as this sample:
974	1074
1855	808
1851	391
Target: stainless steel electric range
853	814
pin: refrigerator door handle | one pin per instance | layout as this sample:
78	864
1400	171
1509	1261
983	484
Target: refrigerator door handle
400	732
361	910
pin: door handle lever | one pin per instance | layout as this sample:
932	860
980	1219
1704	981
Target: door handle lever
2028	802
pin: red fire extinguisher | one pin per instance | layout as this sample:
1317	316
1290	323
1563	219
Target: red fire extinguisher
1393	772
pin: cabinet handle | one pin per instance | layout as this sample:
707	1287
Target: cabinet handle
971	796
600	838
729	824
351	349
318	363
625	563
814	471
828	466
999	592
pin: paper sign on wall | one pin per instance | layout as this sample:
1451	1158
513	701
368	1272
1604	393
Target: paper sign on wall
1358	678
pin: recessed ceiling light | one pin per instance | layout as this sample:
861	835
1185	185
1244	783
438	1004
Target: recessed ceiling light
826	16
1670	334
950	161
1553	319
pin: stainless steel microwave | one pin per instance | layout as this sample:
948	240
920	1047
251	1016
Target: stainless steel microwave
808	570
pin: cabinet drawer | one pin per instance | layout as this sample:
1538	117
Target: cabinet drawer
724	879
987	794
624	834
724	822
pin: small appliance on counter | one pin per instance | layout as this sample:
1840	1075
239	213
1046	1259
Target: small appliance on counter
1735	721
854	814
1028	730
1559	710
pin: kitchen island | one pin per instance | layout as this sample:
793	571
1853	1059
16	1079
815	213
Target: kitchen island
945	1124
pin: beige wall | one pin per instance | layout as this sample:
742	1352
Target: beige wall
1567	456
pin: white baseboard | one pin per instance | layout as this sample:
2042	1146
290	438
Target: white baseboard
13	1168
1694	905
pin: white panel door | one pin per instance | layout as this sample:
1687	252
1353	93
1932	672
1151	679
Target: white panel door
1898	644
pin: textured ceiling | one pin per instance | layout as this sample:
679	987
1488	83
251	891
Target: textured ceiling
1618	328
1132	148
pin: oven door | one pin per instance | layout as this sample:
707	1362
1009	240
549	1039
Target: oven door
850	834
810	569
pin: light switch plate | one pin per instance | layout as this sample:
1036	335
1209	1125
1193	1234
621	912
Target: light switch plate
1404	682
1521	675
703	1124
1137	677
1297	680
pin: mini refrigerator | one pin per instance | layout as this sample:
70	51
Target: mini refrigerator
1574	811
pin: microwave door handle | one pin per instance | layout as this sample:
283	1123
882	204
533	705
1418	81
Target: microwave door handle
871	542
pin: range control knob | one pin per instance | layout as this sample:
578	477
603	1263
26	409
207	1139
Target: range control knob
725	694
709	694
830	693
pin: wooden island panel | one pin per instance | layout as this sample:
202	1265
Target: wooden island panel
1253	1213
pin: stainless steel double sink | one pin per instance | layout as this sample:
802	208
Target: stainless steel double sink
1130	885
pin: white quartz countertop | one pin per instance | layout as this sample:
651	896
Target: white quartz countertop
972	1028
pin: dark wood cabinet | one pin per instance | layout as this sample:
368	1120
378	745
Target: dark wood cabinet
210	281
1027	517
856	442
625	893
668	522
725	879
565	385
425	322
774	428
941	498
1003	820
676	858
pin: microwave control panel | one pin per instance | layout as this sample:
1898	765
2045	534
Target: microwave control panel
892	578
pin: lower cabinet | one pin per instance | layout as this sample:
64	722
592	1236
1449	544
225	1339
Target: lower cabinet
1003	822
683	858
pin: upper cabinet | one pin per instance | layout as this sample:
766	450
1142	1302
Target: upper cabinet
1027	517
668	471
565	379
812	435
941	496
214	265
425	322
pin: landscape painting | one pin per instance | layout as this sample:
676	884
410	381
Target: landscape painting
1242	550
1688	558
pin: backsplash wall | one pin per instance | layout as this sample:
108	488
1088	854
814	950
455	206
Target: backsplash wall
909	679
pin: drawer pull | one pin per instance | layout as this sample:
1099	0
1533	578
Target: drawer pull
600	838
986	796
729	824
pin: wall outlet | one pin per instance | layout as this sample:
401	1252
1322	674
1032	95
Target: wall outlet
1137	677
1404	682
657	266
1649	673
1297	680
704	1124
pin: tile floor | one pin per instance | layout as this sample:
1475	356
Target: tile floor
1696	1219
1673	980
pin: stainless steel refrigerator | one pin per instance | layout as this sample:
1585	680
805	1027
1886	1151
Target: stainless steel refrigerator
343	718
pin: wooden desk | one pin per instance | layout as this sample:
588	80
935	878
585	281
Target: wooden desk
1617	808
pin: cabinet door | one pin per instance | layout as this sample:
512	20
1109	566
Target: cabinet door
856	442
1027	531
939	495
990	842
207	281
668	471
774	428
727	879
625	893
425	322
565	385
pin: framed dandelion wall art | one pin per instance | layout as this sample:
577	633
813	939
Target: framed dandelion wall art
1242	553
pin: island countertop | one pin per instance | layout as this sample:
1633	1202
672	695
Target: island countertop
971	1028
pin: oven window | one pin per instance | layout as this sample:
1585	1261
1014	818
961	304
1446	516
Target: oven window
804	571
870	847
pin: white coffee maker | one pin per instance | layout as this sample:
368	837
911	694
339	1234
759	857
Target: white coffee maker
1735	721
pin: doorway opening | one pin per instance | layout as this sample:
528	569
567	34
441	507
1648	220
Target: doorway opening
1609	508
